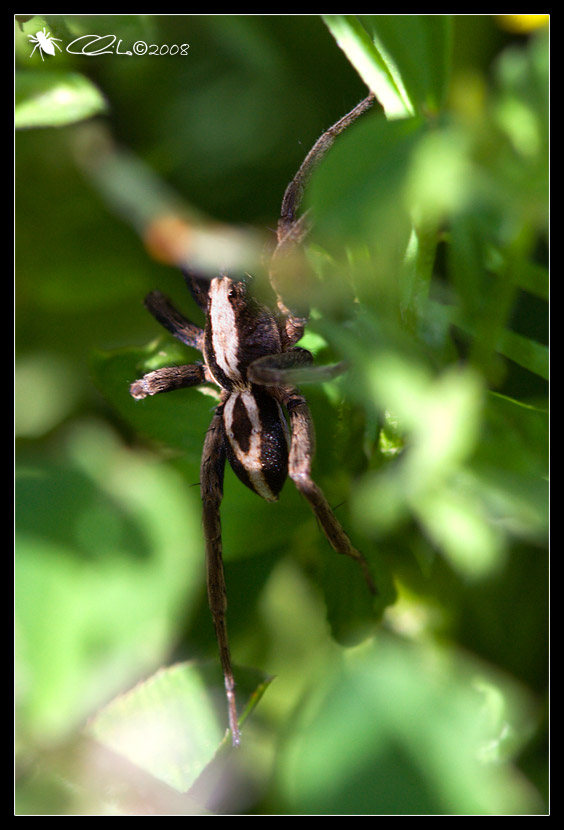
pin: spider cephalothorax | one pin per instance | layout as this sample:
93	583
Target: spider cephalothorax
262	425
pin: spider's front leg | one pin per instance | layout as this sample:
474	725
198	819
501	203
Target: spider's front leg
211	484
174	321
292	367
167	380
292	230
299	470
171	377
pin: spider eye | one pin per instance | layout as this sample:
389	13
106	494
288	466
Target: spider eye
237	290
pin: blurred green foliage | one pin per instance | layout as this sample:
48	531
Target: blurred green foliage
429	250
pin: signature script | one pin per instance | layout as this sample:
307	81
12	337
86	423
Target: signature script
92	45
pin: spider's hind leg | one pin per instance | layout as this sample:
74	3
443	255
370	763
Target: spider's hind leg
299	470
211	485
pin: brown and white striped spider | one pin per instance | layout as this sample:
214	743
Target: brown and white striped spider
249	351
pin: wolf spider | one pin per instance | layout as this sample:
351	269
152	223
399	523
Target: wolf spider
249	351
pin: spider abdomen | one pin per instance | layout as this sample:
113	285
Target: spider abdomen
257	440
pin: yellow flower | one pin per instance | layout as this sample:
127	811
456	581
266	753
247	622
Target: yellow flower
522	23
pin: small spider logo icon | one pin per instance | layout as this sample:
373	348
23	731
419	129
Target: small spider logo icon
45	42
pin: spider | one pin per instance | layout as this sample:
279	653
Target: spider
249	352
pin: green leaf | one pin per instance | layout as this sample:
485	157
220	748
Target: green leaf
412	738
441	417
404	59
112	541
417	49
172	724
526	352
371	65
360	186
54	99
534	279
522	350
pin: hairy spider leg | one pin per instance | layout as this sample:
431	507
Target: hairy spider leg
295	190
291	231
299	469
198	285
173	320
211	476
211	484
290	368
170	378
